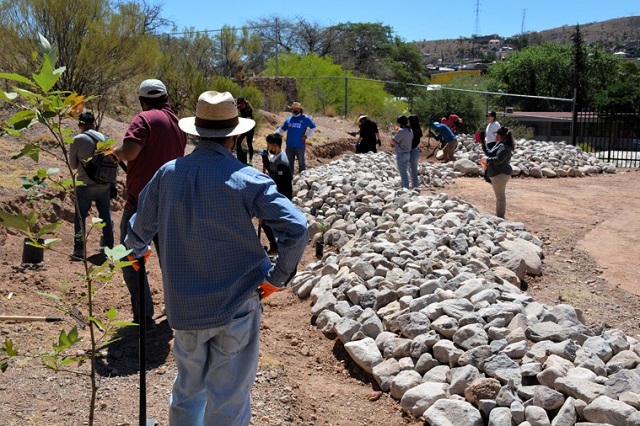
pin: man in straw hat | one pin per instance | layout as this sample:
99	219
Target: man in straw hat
299	128
152	139
214	267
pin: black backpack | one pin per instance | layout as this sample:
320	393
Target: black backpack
100	168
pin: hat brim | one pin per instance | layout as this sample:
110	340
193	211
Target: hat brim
188	126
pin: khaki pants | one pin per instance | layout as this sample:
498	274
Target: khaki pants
499	184
448	151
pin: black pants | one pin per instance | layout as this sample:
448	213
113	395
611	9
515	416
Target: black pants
242	155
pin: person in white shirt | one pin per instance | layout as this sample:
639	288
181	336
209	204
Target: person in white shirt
492	129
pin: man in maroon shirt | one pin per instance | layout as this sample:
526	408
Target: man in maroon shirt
152	139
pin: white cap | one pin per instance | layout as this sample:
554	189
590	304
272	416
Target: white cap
152	88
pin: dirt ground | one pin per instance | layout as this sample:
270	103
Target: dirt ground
589	226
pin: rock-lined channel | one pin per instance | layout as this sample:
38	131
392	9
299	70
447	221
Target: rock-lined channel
424	293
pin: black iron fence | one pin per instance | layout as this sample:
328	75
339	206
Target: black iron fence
612	134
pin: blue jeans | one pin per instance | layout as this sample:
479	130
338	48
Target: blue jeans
296	153
131	276
402	159
86	196
216	370
414	156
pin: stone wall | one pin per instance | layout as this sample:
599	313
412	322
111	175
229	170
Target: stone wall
278	92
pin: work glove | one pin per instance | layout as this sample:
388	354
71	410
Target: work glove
265	159
135	265
265	290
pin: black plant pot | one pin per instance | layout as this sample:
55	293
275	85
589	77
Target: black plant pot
31	254
319	248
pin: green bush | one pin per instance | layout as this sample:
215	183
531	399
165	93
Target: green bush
430	105
321	88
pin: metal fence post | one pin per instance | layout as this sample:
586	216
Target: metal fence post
346	96
574	120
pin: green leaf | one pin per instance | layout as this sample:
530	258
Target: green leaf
8	96
63	342
98	322
7	347
108	342
117	253
111	314
96	220
18	222
50	295
119	324
30	150
17	77
49	228
49	242
73	334
47	78
50	362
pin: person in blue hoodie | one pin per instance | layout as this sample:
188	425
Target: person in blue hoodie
299	128
448	141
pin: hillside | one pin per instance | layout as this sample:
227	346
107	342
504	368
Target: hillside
613	34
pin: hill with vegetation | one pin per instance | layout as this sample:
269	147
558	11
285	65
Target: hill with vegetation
620	34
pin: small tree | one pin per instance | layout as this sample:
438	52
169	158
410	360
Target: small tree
37	103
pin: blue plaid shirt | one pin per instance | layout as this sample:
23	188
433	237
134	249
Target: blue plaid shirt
201	207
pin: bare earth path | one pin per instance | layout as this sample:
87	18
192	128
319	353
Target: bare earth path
592	229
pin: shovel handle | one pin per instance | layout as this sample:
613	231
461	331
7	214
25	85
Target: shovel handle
27	318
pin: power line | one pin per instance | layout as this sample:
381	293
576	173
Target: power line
254	27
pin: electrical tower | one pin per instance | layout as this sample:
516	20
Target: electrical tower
524	15
476	25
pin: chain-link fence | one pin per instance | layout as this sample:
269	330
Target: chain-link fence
613	135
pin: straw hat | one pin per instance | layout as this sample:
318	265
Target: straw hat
296	105
216	116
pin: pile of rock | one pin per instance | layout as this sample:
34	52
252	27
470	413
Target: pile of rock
536	159
423	291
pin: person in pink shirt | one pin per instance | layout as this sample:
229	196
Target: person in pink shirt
451	120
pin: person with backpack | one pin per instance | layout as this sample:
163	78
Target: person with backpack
414	155
94	190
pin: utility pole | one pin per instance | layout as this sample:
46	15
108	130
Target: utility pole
476	25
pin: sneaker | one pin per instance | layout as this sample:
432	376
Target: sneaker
77	255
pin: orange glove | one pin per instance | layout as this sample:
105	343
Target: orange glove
265	290
135	265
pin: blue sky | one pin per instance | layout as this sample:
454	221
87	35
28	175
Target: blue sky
417	20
